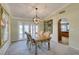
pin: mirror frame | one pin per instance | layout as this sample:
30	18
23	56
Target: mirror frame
5	27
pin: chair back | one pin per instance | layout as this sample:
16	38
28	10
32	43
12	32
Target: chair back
29	37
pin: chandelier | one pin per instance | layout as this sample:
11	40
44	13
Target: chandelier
36	19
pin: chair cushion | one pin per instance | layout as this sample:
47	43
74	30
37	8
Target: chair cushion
46	35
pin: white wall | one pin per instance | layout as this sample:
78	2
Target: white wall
72	14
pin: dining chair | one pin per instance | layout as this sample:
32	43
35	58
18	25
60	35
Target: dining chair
30	40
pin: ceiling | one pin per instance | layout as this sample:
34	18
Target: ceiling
27	10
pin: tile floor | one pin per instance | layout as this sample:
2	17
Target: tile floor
20	48
65	40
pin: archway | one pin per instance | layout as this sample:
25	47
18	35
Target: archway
63	31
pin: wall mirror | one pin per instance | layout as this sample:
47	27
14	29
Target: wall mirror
4	26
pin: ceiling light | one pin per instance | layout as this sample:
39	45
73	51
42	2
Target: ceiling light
36	19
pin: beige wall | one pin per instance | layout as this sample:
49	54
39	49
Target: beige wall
14	30
72	14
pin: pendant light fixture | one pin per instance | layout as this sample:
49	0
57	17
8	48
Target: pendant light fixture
36	19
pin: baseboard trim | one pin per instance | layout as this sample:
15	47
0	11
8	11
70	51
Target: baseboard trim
17	41
73	47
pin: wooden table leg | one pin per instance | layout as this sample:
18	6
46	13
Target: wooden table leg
49	45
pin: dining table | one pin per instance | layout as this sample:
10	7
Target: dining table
38	39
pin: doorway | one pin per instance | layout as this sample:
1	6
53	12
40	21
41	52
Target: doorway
63	31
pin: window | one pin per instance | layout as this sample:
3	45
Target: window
26	29
65	27
34	30
29	28
20	31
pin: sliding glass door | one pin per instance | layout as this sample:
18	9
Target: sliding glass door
26	29
29	28
34	30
